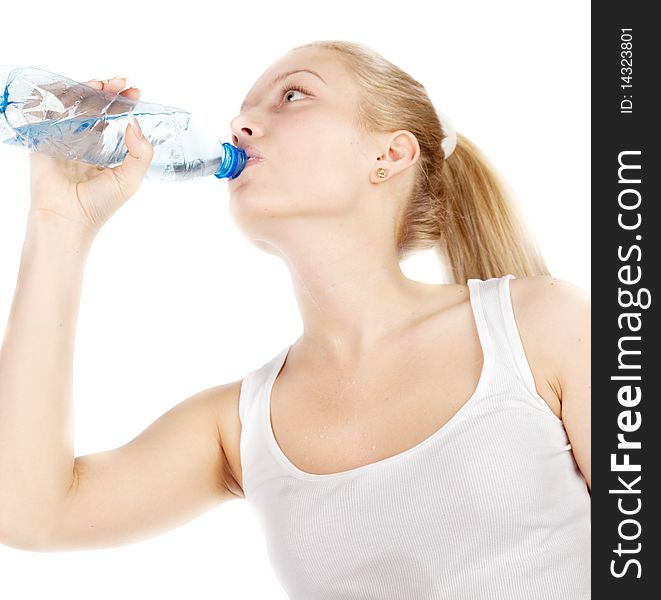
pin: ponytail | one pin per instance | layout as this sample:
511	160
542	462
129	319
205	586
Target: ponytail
478	228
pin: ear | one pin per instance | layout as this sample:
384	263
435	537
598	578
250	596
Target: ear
401	151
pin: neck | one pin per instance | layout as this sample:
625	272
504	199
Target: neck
350	290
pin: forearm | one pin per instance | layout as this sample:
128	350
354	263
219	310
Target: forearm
36	367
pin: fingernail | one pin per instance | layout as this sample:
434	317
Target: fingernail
136	128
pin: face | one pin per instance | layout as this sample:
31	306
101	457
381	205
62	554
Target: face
315	160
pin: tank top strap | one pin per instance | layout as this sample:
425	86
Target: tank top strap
247	396
253	384
496	304
257	460
479	293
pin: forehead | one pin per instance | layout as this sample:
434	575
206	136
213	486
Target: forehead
323	62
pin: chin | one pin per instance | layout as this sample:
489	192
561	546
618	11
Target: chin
244	200
253	213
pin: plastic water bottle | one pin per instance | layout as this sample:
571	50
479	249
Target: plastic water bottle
51	114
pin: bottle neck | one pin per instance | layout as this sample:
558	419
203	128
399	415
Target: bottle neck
232	163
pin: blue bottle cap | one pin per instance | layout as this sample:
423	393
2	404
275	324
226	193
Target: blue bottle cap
233	163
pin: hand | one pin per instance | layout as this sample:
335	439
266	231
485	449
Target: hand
85	194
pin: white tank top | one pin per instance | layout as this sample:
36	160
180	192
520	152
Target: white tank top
492	506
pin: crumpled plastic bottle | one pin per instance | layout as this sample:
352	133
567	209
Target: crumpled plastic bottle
48	113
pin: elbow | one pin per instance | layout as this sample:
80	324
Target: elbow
29	535
15	541
29	542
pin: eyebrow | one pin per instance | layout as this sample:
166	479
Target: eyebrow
282	76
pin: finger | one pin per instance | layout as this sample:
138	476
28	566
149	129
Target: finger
131	93
113	85
130	173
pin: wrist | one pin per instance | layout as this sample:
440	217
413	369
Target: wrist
49	222
44	226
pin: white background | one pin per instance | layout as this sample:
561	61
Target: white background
175	300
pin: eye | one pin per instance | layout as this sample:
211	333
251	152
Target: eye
293	88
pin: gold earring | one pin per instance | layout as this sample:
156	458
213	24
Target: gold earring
381	172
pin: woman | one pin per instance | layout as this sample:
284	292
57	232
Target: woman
416	441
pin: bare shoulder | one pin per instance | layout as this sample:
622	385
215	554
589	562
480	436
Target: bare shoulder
549	306
219	406
553	318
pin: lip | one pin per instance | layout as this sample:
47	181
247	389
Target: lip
253	161
252	152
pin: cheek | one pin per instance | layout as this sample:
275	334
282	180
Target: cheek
318	156
303	142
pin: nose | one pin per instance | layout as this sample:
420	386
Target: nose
243	130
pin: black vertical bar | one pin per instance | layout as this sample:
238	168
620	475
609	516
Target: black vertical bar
626	427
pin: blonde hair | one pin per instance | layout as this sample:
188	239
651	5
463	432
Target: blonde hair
458	206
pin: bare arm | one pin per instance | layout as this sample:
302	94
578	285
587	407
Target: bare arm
36	420
172	472
557	315
573	342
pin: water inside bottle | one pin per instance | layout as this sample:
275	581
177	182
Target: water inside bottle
100	140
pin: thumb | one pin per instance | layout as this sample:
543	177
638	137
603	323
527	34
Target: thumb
137	160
